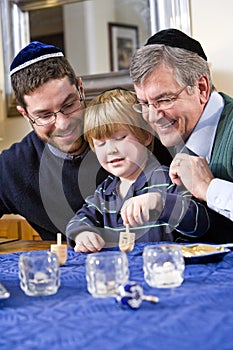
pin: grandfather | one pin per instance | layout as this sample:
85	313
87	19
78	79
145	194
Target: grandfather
177	98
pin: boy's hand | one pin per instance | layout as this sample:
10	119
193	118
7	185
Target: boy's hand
88	242
136	210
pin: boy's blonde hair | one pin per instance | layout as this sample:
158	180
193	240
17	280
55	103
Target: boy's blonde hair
112	111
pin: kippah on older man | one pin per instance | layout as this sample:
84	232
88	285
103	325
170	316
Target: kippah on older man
177	98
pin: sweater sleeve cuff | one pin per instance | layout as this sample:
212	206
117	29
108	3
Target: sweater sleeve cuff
172	209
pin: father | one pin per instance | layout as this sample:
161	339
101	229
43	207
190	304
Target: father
47	175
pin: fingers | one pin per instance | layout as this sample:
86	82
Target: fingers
88	242
136	210
193	172
182	163
174	171
133	214
80	248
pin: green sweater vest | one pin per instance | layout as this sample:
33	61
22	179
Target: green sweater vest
221	162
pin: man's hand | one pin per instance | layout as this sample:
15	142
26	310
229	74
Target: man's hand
193	172
88	242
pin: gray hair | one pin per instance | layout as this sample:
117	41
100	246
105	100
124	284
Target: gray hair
187	66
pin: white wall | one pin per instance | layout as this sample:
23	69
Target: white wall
211	21
85	20
89	19
139	15
211	25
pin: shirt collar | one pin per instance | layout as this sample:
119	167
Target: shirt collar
63	155
202	138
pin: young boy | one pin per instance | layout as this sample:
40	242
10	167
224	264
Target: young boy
138	190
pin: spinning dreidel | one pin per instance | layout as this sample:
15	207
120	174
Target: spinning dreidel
126	240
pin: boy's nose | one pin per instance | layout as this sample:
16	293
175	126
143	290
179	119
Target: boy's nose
112	147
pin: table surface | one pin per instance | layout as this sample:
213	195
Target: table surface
196	315
12	246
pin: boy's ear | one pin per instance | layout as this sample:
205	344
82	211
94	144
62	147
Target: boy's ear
149	139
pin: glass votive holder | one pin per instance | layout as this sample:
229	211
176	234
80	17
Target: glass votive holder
39	273
105	272
163	265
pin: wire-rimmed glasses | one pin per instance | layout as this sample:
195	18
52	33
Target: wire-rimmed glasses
50	117
162	103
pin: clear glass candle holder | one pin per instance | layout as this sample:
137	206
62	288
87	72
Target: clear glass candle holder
105	272
39	273
163	265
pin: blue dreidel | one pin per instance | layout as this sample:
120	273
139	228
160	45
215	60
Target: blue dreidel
131	295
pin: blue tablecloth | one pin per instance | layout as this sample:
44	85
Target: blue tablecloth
197	315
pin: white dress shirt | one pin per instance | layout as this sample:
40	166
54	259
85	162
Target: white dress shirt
220	192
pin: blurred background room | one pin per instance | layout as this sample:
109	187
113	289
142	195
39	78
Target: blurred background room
99	36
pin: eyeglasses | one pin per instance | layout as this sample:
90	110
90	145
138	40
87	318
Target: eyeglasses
163	103
49	118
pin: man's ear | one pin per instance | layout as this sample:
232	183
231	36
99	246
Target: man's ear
204	89
80	88
22	111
